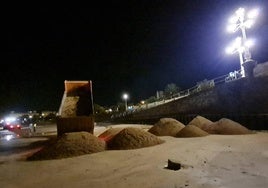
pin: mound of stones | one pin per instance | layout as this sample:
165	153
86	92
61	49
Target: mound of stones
191	131
166	127
133	138
70	145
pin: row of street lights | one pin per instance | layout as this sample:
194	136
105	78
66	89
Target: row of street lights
242	21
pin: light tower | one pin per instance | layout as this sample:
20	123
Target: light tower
237	47
242	21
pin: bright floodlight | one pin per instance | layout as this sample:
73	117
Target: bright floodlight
231	28
235	46
240	12
242	20
233	19
241	49
253	13
238	42
249	43
249	23
239	21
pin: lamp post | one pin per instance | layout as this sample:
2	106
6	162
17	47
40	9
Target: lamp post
125	97
241	21
237	47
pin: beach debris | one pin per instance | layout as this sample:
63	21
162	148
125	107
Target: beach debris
173	165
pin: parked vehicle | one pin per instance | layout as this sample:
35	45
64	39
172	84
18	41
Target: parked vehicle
24	126
10	124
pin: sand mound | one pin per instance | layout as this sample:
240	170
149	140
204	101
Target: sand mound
200	122
227	127
110	133
133	138
191	131
69	145
166	127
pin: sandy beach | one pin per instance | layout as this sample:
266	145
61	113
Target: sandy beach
222	161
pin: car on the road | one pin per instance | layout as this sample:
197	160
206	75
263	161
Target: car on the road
20	125
11	126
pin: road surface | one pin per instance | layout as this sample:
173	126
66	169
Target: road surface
22	143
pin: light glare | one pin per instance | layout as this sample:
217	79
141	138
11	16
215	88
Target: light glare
125	96
240	12
241	49
249	23
10	119
238	42
236	46
253	13
233	19
231	28
9	137
249	43
229	50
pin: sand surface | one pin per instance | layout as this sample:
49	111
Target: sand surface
222	161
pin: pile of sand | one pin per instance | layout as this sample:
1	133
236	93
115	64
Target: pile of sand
69	107
191	131
122	138
226	127
133	138
166	127
69	145
201	122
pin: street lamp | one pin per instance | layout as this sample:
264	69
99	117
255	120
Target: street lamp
125	97
241	21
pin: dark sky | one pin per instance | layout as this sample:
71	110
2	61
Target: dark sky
136	47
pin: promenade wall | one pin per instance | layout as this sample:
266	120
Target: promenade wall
244	100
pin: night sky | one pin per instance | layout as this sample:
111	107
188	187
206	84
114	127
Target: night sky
136	47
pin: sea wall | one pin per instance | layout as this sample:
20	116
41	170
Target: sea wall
244	100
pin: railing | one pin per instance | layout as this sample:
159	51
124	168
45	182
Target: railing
201	86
